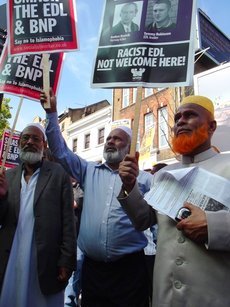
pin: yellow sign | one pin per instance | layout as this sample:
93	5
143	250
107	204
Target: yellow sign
146	145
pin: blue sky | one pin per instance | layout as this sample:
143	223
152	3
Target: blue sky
74	89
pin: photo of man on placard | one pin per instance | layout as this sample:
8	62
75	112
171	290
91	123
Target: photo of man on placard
125	19
128	12
162	15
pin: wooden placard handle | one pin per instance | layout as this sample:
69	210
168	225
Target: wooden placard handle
136	121
46	78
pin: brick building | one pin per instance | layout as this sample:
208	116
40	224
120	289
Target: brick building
157	112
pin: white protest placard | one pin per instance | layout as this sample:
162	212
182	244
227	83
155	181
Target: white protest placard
145	55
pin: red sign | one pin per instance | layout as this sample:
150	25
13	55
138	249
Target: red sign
12	158
41	26
22	75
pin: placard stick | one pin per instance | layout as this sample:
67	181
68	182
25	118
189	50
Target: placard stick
136	121
11	136
46	78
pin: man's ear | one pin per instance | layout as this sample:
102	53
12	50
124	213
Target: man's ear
45	144
212	126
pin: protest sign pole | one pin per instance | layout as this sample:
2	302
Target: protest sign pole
46	78
11	136
136	121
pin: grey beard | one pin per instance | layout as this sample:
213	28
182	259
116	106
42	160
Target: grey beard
116	156
30	157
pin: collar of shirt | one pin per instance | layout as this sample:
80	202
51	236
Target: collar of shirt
105	165
162	27
207	154
127	28
35	166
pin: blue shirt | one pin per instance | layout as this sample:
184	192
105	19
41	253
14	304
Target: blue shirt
106	232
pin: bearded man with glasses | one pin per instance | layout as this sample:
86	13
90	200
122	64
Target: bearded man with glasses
37	229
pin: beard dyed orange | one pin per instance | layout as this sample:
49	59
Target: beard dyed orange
186	143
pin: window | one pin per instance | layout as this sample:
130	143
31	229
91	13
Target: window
87	141
160	88
62	126
101	135
125	98
148	92
75	145
149	121
134	94
163	127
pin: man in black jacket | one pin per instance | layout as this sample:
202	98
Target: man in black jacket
37	233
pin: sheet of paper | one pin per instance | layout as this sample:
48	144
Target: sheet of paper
194	185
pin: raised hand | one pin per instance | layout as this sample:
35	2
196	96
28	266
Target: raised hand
128	171
53	101
63	274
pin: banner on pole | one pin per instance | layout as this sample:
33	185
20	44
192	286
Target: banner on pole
137	49
22	74
147	154
12	158
41	26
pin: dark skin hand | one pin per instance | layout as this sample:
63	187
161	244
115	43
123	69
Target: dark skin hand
195	226
128	171
53	101
64	274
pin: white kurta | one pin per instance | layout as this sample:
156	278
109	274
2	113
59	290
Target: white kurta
20	286
188	274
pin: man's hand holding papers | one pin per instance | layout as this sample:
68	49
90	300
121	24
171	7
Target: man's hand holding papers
195	225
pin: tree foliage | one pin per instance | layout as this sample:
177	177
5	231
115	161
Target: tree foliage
4	115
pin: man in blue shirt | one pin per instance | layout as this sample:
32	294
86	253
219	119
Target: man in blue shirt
114	272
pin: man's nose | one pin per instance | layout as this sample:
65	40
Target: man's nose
30	140
110	141
181	121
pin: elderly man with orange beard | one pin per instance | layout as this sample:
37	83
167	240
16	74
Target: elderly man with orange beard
192	266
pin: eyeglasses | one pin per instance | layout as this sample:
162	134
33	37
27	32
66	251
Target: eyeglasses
34	138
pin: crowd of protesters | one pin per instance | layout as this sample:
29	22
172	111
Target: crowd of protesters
40	233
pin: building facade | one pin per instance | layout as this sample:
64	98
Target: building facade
86	136
155	121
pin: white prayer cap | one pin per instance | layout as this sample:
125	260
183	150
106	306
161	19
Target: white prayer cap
126	130
39	126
